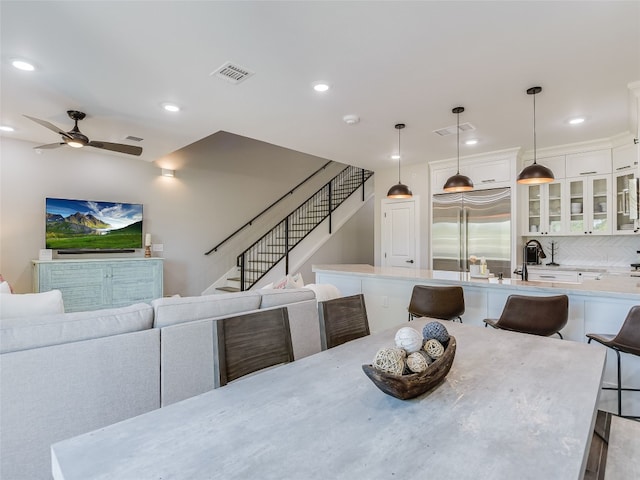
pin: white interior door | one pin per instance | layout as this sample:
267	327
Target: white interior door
400	233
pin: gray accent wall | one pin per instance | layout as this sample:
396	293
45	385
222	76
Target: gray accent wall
219	185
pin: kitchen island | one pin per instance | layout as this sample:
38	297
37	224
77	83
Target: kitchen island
595	306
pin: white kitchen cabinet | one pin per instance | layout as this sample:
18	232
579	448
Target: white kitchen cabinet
95	284
557	164
552	275
588	163
546	210
489	174
589	204
625	158
624	224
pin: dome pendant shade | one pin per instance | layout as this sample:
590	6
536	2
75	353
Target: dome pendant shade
458	182
535	173
399	191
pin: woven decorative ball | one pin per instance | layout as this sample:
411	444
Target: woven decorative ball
434	348
435	330
390	360
418	361
409	338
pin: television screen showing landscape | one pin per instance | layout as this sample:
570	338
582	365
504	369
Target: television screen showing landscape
90	225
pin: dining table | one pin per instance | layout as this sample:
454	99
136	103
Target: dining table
513	405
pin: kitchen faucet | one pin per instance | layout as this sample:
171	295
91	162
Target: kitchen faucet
523	272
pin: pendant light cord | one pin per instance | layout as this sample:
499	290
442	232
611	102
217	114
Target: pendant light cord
534	128
458	141
399	156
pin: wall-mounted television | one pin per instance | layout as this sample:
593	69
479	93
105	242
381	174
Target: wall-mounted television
88	226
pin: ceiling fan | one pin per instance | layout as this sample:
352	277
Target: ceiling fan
75	138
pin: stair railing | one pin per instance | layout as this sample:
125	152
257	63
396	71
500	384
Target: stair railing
257	260
250	222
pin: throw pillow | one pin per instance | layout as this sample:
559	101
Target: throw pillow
5	288
31	304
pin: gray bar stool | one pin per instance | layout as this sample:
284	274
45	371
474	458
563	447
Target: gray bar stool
627	340
444	303
542	316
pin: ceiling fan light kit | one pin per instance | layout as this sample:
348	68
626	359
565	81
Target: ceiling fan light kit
535	173
399	190
458	182
76	139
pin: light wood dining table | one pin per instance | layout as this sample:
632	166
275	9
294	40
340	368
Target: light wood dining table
512	406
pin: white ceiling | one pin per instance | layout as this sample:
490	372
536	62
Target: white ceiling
387	62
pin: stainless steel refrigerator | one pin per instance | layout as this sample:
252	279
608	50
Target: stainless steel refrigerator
474	223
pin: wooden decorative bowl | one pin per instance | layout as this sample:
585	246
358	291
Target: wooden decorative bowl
412	385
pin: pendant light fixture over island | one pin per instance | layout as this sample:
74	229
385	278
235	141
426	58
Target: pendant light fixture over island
458	182
399	190
535	173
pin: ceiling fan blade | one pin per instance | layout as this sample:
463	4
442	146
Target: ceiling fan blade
49	145
48	125
116	147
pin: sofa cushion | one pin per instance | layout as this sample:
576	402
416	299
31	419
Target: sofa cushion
22	333
170	311
31	304
276	298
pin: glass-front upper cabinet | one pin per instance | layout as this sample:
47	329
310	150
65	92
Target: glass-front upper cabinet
589	205
624	223
546	212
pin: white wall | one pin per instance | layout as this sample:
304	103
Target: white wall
188	214
416	177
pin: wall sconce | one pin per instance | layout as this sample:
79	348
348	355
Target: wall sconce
167	172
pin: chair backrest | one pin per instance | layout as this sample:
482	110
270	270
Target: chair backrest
536	315
440	302
342	320
629	335
251	342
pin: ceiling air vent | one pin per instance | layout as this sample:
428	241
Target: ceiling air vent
464	127
232	73
133	139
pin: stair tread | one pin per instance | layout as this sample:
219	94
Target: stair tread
228	289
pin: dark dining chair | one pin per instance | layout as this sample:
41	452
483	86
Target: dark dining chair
627	340
342	319
444	303
542	316
251	342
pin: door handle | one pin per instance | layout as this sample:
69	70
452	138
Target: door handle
409	261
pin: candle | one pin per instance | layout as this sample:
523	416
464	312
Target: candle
147	240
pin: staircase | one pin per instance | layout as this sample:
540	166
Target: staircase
276	245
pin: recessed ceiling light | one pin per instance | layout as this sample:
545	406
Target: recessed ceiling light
6	128
22	65
321	86
170	107
395	156
576	121
473	141
351	119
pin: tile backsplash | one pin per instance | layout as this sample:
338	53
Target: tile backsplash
615	251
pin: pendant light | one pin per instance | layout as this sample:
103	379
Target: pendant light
535	173
399	190
458	182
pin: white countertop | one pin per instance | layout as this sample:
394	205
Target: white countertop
616	286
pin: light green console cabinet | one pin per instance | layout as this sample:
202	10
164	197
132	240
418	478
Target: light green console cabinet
94	284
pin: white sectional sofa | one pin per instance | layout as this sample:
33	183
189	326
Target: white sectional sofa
66	374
